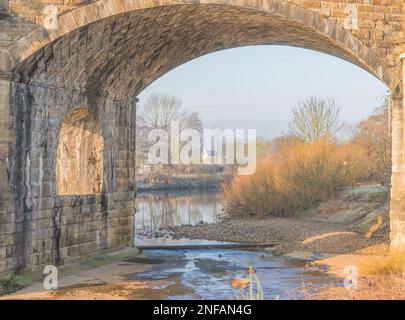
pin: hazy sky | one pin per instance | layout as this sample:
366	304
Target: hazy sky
255	87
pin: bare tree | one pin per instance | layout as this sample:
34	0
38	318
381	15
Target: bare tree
159	112
315	119
192	121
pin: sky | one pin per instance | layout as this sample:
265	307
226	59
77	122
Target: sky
255	87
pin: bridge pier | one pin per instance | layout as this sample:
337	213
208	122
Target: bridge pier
397	209
397	127
397	205
4	5
38	224
5	221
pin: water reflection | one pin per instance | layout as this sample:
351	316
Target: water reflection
162	209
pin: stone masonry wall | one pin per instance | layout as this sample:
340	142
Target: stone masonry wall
5	91
397	214
379	21
42	227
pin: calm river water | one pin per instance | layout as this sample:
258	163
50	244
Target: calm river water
209	273
162	209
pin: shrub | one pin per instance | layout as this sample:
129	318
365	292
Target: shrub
295	178
372	135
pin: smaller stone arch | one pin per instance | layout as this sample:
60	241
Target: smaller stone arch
79	157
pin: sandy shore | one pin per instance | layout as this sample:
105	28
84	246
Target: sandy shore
387	287
97	278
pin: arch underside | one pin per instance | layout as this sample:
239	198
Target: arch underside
122	54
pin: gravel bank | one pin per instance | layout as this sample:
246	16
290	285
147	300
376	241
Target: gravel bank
288	234
338	225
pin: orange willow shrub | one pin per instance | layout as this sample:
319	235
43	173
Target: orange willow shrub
295	178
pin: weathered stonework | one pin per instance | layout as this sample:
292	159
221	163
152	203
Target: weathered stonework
42	226
103	54
80	155
398	188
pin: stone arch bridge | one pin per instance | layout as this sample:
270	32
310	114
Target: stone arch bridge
68	106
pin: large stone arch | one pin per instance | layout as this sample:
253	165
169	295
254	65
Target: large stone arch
310	30
100	57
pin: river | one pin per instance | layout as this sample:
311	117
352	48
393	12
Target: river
211	273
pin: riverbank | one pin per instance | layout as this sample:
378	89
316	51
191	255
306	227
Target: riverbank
180	274
183	182
148	276
96	278
388	287
286	235
354	221
350	229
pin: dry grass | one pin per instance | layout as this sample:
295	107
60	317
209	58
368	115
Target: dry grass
295	178
369	288
381	279
393	265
